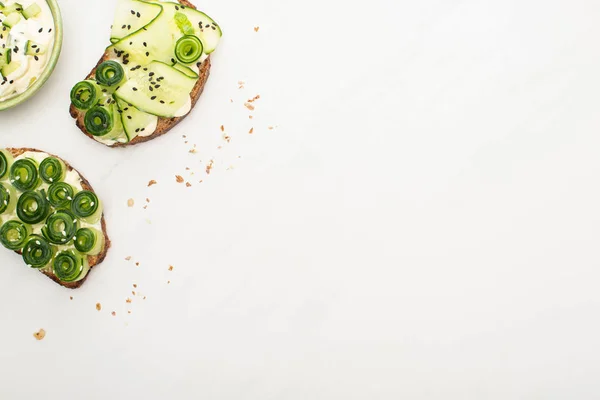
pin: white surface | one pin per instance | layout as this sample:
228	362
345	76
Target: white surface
423	223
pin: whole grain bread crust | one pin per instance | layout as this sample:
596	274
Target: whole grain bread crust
92	260
164	124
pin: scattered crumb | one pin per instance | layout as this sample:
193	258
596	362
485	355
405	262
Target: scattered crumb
113	313
168	282
256	28
137	264
98	306
133	292
193	151
128	300
252	100
188	184
129	312
170	268
251	131
249	106
127	258
183	136
147	200
219	147
179	178
200	181
227	138
271	128
231	100
71	297
222	128
241	84
250	116
145	207
39	335
152	182
187	168
134	285
209	167
144	298
130	203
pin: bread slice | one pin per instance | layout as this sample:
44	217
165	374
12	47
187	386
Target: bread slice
164	124
92	260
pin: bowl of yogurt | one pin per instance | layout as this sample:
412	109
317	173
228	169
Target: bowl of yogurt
30	42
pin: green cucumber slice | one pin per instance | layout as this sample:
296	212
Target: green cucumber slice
186	70
205	28
12	19
135	122
12	8
10	68
131	16
32	11
34	49
157	89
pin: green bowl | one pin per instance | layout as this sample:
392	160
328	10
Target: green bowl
58	38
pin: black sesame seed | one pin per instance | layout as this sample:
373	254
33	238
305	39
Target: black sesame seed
36	58
135	89
40	31
147	54
145	44
153	98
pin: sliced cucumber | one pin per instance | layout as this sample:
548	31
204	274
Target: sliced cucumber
186	70
205	28
34	49
161	90
10	68
131	16
135	122
12	19
156	42
32	11
12	8
5	57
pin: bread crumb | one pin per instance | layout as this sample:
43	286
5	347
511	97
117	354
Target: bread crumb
137	264
250	116
133	292
227	138
252	100
222	128
251	131
127	258
256	28
183	136
39	335
144	298
249	106
128	300
71	297
231	100
168	282
147	200
193	151
98	306
270	128
188	184
241	84
209	167
170	268
145	207
179	178
134	285
130	203
113	314
152	182
129	312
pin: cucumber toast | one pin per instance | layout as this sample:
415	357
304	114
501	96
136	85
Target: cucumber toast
50	214
151	75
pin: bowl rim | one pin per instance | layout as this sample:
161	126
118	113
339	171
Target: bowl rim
57	47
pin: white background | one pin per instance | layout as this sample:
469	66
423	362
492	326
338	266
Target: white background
422	223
